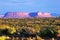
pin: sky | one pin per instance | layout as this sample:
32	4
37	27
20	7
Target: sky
52	6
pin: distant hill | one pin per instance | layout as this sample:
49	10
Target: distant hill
26	14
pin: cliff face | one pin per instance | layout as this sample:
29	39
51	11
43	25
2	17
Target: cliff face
44	14
26	14
16	15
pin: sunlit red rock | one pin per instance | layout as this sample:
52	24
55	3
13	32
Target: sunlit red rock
16	15
40	14
26	14
44	14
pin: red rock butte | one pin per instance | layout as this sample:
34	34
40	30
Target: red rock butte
25	14
44	14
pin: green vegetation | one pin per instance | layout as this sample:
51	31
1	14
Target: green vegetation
32	27
48	33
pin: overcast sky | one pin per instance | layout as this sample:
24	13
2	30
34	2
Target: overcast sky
52	6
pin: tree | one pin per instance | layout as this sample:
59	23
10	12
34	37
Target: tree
27	31
48	33
5	32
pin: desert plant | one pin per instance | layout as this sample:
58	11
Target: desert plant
48	33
